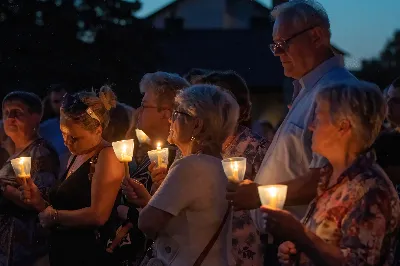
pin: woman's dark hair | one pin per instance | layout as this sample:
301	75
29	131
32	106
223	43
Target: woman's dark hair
31	100
234	83
119	124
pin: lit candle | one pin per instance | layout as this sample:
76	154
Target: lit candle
273	196
234	168
235	171
159	156
124	150
22	168
142	137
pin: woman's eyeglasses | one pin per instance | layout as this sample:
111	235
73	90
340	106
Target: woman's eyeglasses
176	113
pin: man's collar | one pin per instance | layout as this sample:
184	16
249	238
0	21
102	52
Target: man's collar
309	80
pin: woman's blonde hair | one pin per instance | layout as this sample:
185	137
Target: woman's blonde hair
89	108
217	108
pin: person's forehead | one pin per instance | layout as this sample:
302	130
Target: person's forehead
283	28
14	104
70	127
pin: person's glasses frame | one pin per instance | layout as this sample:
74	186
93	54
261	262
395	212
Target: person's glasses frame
283	46
176	113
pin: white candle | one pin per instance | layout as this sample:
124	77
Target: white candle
159	156
235	171
272	196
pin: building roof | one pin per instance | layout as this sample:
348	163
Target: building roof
244	51
176	3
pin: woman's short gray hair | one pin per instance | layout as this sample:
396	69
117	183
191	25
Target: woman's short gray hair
303	13
362	103
164	85
218	110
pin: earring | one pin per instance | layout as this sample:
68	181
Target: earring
192	138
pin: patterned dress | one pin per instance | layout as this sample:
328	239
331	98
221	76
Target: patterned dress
359	214
246	244
22	239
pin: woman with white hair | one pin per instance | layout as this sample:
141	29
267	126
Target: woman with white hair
354	218
188	216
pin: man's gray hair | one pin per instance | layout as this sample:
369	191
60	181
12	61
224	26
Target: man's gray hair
164	85
217	108
303	13
362	103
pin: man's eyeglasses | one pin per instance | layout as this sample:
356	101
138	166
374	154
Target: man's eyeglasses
176	113
283	46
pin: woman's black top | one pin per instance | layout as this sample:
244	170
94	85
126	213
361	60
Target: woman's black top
79	246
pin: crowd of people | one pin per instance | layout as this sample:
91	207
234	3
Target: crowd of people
335	150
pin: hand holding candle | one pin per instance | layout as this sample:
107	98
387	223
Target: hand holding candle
273	196
159	156
234	168
22	168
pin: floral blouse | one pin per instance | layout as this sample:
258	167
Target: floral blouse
22	239
246	244
359	214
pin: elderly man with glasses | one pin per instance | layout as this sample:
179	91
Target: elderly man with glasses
301	36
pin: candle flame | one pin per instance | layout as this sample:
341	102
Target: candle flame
21	161
124	148
159	146
272	191
235	166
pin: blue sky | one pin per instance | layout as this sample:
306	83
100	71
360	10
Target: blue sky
361	27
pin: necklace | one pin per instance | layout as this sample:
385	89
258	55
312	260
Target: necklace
81	159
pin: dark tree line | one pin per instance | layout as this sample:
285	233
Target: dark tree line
84	43
384	69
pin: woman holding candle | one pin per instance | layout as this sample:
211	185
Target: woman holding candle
354	220
190	208
22	242
81	211
246	243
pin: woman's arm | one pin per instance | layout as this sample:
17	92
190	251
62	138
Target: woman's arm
152	220
182	182
363	230
106	183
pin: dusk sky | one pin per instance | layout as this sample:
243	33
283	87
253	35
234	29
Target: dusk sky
360	27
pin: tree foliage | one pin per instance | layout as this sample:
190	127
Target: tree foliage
386	68
83	43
